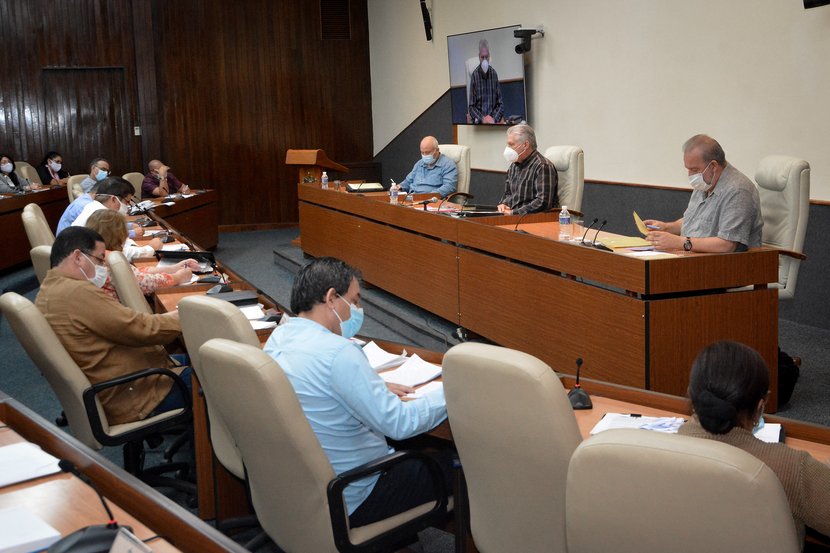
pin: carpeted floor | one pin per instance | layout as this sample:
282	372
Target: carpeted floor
267	259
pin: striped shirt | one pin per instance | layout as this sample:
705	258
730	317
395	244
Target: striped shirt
531	185
485	95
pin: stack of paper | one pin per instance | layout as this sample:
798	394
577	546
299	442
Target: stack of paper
24	461
619	420
380	359
425	389
412	373
21	531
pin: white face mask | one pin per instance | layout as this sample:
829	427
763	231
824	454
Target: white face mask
697	182
510	154
7	167
55	166
100	276
123	208
485	65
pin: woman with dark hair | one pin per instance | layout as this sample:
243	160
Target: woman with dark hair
9	181
728	387
51	171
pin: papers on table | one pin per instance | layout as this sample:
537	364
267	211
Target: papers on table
770	433
444	208
24	461
648	254
610	421
412	373
21	531
153	232
425	389
175	248
616	242
380	359
255	314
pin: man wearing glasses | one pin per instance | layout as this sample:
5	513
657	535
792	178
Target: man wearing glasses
99	169
105	338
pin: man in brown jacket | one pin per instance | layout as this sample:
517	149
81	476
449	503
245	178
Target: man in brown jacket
105	338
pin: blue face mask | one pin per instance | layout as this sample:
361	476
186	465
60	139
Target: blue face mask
351	326
428	159
101	175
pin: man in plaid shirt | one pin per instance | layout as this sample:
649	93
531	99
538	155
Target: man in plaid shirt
532	182
486	106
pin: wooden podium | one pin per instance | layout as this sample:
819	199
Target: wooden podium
311	164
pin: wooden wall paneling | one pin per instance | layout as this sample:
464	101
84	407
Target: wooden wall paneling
147	117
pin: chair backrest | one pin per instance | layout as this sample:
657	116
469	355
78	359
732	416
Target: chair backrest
784	189
461	156
515	432
204	318
136	179
45	349
26	171
570	170
37	227
647	492
287	469
123	278
73	186
40	261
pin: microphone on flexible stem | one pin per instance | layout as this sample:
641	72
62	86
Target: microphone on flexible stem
463	195
98	537
594	242
594	222
578	397
425	202
516	228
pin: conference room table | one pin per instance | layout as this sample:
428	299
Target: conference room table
53	202
67	503
635	319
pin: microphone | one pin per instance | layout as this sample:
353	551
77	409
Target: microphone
594	222
464	195
97	537
594	242
578	397
516	228
425	202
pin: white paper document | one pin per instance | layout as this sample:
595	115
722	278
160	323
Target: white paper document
380	359
252	312
610	421
21	531
24	461
175	248
412	373
770	433
262	325
426	388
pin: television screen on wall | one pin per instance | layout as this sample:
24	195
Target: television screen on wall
487	78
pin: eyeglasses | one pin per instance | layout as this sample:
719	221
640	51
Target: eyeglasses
100	260
107	169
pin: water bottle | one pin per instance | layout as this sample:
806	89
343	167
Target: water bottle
393	193
564	224
325	181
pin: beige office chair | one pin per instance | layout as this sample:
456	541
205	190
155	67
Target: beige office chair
73	186
515	432
461	156
40	261
784	188
37	227
204	318
638	491
136	179
77	396
123	279
294	490
26	171
570	170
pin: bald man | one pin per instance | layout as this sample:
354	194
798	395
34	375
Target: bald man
724	212
161	182
434	173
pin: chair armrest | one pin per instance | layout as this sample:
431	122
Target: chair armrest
91	407
789	253
383	541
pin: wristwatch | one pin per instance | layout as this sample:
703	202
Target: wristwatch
687	245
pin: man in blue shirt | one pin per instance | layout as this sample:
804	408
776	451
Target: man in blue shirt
434	173
74	209
350	408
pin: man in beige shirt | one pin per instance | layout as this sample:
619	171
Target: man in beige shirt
106	339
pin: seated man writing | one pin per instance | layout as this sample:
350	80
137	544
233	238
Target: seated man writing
105	338
434	173
349	406
724	212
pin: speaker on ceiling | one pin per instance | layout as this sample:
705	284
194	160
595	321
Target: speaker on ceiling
428	21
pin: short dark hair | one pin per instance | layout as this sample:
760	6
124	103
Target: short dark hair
94	162
49	156
115	186
727	381
71	239
315	279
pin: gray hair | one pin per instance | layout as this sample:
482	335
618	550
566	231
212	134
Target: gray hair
482	44
524	132
707	146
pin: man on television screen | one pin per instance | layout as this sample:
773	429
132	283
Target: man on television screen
486	106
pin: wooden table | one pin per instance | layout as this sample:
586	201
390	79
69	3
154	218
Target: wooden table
634	321
67	503
197	217
15	242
